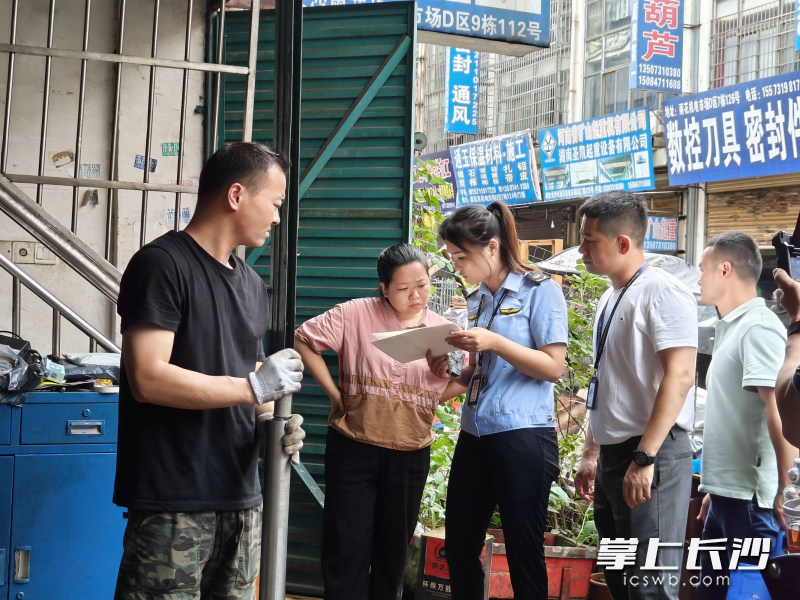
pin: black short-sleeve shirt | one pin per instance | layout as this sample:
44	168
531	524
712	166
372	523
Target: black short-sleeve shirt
171	459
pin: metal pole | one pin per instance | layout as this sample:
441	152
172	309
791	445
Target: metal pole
142	61
56	332
81	106
16	308
184	93
46	102
112	165
9	87
692	195
277	466
218	79
149	138
71	316
275	528
252	64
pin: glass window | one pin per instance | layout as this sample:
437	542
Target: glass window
594	20
609	92
617	14
623	90
752	39
594	56
640	98
726	8
591	98
608	54
618	49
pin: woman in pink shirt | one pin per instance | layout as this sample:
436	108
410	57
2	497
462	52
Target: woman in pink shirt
377	453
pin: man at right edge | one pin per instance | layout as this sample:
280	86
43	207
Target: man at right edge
636	462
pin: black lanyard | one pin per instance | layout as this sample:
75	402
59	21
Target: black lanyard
602	335
491	320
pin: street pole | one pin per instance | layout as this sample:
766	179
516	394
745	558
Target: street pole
275	528
283	296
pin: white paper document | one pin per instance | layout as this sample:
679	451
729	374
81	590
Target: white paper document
412	344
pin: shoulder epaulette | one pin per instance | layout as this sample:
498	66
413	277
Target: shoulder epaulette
536	277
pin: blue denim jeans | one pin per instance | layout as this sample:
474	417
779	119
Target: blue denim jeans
733	518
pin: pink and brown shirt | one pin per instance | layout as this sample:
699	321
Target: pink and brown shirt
387	403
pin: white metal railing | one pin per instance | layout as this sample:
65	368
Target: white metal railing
753	44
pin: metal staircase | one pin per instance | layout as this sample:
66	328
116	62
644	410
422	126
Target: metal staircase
132	28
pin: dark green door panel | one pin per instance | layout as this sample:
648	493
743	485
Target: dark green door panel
356	205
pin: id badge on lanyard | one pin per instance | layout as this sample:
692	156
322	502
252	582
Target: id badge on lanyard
478	382
478	379
591	396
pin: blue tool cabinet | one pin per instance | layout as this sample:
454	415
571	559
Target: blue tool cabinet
60	535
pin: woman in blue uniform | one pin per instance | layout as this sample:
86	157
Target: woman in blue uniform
507	453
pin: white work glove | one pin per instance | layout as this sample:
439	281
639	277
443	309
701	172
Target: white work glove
278	376
293	436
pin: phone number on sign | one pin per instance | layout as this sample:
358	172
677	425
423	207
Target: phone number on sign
661	70
673	84
776	89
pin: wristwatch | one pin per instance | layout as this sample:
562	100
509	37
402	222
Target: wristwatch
643	458
793	328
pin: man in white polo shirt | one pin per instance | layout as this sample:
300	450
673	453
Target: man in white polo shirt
640	404
745	457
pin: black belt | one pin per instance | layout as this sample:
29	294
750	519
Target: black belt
632	444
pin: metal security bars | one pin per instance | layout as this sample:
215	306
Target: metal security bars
119	58
753	44
39	223
515	93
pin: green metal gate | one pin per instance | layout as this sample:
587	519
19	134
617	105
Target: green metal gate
356	129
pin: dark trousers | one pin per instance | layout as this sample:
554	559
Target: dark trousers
732	518
512	470
372	498
663	516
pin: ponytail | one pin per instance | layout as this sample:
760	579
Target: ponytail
509	244
476	226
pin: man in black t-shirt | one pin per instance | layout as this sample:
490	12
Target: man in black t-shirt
194	382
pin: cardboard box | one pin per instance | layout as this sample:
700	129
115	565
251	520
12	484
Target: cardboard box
433	579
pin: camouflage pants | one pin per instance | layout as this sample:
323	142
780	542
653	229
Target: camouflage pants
190	555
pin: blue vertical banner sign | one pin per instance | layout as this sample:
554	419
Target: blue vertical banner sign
610	153
524	22
662	234
499	168
657	45
461	82
797	26
745	130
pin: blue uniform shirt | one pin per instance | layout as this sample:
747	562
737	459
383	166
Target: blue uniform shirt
533	315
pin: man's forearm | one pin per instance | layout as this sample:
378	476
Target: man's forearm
172	386
790	363
668	405
788	399
784	451
590	447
